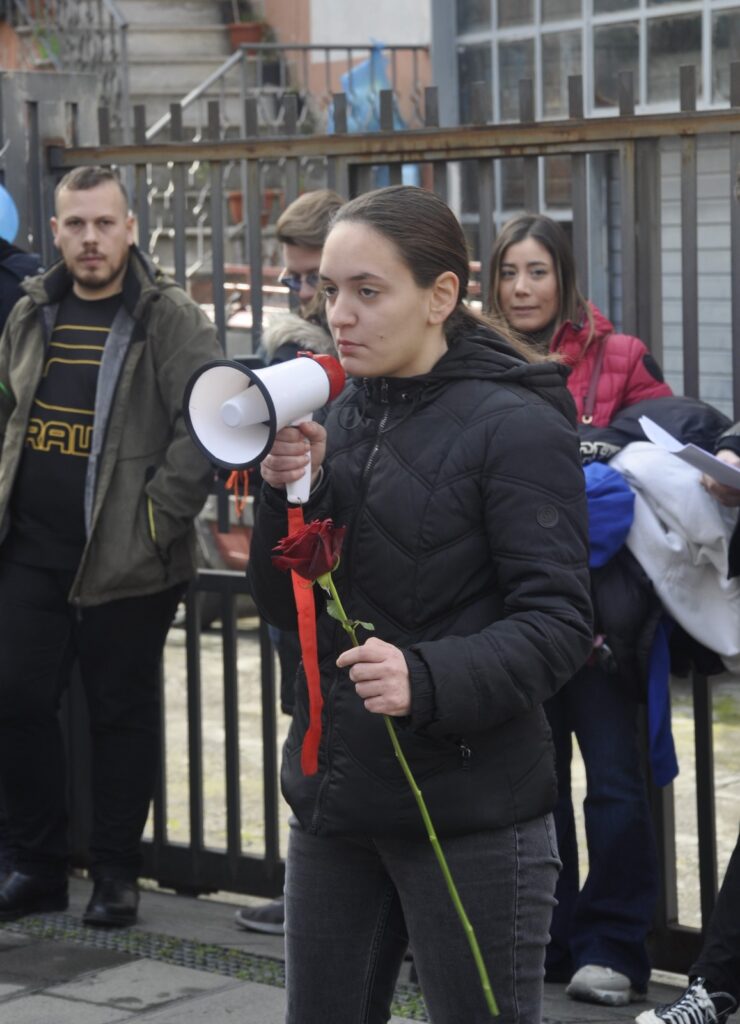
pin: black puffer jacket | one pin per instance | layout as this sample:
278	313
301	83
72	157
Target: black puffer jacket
467	548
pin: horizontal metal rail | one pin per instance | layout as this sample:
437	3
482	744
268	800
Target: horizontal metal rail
420	144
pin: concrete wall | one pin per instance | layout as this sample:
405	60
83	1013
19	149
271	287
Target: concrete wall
397	22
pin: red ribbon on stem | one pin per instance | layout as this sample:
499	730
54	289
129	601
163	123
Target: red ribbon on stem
306	609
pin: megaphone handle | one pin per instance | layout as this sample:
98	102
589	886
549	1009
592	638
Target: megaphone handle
299	490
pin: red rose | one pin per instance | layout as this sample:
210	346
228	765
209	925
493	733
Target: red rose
312	551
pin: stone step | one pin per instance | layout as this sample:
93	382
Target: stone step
176	12
160	42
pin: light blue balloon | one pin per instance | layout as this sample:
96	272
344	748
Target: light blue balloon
8	216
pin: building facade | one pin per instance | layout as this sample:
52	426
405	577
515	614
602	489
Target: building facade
500	42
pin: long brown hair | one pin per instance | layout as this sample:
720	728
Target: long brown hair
431	242
572	305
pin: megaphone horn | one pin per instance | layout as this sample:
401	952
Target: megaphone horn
234	412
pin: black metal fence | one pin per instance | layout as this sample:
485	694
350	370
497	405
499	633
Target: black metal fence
352	164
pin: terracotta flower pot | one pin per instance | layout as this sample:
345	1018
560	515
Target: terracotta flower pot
244	32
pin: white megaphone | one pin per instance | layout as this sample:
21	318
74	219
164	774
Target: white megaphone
233	412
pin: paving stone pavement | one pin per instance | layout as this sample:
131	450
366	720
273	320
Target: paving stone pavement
185	962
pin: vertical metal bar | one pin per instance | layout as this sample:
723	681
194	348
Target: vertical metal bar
290	107
627	212
41	234
531	163
195	724
689	243
337	172
395	170
649	278
104	126
481	112
580	187
125	93
431	120
735	240
217	225
140	176
254	211
159	803
269	751
231	730
705	814
178	200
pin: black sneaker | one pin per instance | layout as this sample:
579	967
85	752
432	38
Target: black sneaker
269	918
694	1006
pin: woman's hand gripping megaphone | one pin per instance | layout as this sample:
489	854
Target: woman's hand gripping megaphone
296	455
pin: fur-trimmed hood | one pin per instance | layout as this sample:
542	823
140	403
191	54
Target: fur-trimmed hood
291	328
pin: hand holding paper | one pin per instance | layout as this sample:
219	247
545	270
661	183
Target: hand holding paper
711	466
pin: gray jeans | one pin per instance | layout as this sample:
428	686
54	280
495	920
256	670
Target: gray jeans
351	906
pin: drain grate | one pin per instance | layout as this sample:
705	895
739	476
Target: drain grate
235	963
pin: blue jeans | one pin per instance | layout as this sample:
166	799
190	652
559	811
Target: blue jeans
353	904
607	921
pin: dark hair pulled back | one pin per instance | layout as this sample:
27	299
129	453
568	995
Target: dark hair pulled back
430	241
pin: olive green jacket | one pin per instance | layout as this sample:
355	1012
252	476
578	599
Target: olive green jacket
146	481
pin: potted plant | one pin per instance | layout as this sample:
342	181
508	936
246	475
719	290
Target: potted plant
243	23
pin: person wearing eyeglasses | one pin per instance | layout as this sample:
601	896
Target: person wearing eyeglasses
301	230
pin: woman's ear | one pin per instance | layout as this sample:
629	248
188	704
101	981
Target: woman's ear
443	300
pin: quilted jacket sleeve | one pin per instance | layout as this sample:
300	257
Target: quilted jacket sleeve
643	377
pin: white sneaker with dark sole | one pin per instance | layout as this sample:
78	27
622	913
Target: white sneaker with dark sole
593	983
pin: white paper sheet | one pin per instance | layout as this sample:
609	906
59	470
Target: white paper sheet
690	453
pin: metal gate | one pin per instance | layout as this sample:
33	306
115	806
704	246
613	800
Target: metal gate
354	163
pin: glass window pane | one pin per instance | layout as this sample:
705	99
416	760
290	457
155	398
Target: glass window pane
558	182
672	42
605	6
515	61
561	57
725	51
473	15
554	10
515	12
473	65
657	3
615	50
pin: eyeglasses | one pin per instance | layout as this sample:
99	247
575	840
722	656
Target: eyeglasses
296	281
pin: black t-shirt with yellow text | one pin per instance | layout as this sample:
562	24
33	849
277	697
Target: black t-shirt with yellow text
47	505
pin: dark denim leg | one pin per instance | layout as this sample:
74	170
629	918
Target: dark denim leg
120	648
719	960
615	907
344	932
35	651
558	959
506	881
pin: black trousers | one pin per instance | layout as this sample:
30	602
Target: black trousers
719	960
118	647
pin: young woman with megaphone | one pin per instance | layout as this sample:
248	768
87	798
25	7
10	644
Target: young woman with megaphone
452	459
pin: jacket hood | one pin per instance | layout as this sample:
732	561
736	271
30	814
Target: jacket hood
18	262
293	329
483	355
141	282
